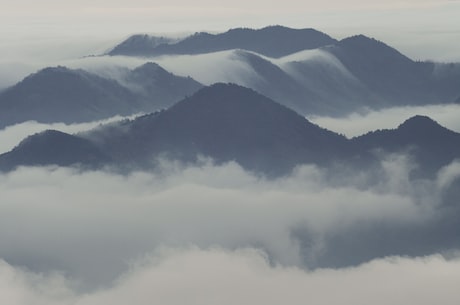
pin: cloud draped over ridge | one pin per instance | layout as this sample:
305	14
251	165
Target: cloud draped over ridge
357	124
12	135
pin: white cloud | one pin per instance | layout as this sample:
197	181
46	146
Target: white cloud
11	136
357	124
216	276
90	224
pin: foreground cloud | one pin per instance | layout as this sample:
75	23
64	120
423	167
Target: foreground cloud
216	276
89	225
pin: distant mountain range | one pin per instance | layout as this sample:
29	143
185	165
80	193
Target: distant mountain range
302	69
272	41
60	94
231	123
313	73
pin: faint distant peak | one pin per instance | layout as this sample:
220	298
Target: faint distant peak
139	44
149	67
272	41
55	72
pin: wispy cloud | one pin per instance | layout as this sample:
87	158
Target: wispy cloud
357	124
88	225
196	276
12	135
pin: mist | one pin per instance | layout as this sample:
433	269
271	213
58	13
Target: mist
357	124
90	226
196	276
11	136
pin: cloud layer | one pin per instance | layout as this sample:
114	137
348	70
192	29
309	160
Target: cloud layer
89	225
196	276
12	135
357	124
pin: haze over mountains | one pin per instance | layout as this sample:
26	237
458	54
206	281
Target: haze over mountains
319	75
272	41
219	178
231	123
305	70
64	95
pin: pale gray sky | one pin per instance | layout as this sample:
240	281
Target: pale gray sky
422	29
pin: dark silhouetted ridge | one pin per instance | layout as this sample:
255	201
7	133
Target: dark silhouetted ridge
53	147
63	95
139	45
226	122
273	41
160	88
429	143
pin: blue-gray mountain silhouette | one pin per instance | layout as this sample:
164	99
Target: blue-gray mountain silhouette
374	75
273	41
227	123
157	87
64	95
52	147
395	78
430	144
231	123
139	45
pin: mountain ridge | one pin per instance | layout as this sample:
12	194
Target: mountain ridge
227	122
262	41
60	94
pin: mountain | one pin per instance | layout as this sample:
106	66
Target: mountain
139	45
313	73
394	77
228	122
64	95
225	122
430	144
53	148
272	41
158	87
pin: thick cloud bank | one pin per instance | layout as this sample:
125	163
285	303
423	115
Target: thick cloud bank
215	276
89	226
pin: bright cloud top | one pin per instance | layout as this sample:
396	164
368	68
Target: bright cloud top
357	124
91	224
194	276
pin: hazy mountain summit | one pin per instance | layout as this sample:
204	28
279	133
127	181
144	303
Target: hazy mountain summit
139	45
158	87
227	122
53	147
60	94
272	41
430	144
313	73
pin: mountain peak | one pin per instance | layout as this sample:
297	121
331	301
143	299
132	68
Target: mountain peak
371	46
139	44
419	123
53	147
273	41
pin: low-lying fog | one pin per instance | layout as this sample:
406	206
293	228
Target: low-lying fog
222	233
